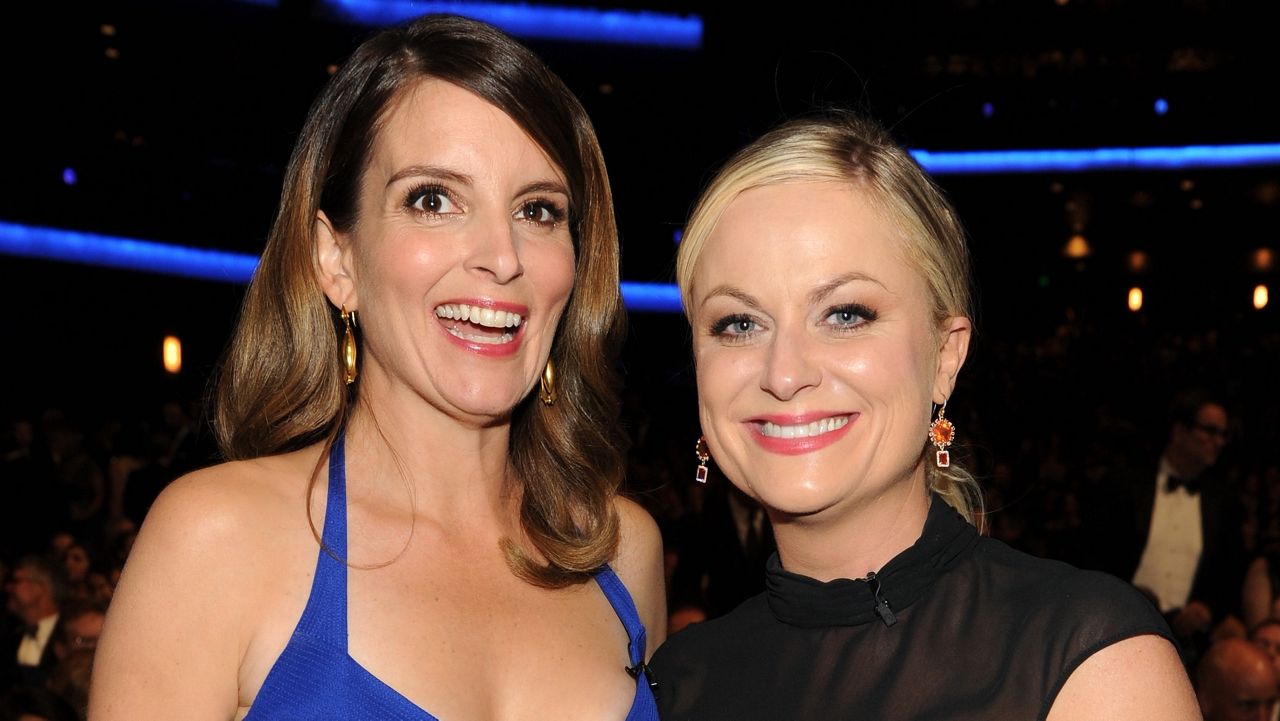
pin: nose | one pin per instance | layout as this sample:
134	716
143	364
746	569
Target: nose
495	251
789	369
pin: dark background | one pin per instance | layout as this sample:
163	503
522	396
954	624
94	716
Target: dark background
178	126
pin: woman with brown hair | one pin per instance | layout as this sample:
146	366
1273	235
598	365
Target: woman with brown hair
826	280
421	507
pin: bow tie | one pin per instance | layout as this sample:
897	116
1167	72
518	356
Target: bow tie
1174	483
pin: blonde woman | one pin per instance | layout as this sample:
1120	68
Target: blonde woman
826	281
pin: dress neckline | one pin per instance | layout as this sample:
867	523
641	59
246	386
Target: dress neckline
806	602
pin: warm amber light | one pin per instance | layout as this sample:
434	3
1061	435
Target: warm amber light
1260	297
1263	259
172	354
1135	299
1137	261
1077	247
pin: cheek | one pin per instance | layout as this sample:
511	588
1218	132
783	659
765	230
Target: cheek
550	268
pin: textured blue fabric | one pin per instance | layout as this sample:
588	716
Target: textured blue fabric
316	678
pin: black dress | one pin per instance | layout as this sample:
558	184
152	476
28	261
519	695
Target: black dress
958	626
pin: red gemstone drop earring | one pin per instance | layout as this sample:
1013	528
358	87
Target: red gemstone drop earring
941	433
704	455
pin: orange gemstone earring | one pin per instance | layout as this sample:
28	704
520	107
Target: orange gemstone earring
941	433
704	455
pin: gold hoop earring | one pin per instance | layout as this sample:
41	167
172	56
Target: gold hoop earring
548	394
703	454
349	348
941	433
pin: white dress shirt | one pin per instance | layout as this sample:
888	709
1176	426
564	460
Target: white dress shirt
31	649
1174	544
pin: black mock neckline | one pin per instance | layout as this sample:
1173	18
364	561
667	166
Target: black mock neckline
808	603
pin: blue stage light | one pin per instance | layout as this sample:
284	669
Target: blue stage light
981	162
1162	106
541	22
148	256
651	297
112	252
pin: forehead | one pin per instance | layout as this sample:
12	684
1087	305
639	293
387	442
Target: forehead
801	234
1270	632
1212	413
434	122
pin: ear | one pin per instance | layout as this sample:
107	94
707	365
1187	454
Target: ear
333	264
955	335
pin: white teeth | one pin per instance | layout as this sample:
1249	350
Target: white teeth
487	317
475	338
804	430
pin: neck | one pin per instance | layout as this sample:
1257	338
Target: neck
1182	466
36	614
856	537
453	468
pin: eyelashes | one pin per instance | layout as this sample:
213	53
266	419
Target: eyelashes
430	199
435	200
543	211
736	325
850	315
846	318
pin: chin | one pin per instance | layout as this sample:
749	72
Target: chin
794	500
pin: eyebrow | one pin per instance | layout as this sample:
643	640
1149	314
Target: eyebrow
443	173
430	171
826	289
544	186
733	292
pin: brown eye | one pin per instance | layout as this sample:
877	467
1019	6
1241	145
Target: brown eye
432	200
540	212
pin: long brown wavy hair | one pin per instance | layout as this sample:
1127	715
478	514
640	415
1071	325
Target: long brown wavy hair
281	386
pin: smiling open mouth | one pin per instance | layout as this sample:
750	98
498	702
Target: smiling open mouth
803	430
479	325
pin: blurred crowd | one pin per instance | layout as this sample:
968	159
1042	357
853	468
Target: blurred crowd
1055	428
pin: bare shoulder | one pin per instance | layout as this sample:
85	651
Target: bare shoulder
639	564
223	510
188	601
1138	678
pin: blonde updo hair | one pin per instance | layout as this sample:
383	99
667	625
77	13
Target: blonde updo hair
839	146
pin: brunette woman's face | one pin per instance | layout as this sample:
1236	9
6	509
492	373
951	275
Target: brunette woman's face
77	562
461	261
818	355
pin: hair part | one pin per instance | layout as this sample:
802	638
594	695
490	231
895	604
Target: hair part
841	147
281	386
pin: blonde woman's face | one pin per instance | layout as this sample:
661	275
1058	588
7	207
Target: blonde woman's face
817	353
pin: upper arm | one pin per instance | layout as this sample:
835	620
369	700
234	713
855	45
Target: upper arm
1256	593
173	637
639	565
1138	678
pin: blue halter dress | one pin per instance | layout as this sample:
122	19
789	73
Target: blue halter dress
316	678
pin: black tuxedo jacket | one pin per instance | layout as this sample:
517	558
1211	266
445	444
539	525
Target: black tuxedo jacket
1127	523
11	673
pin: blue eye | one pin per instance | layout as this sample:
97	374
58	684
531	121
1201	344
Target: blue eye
849	316
734	326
